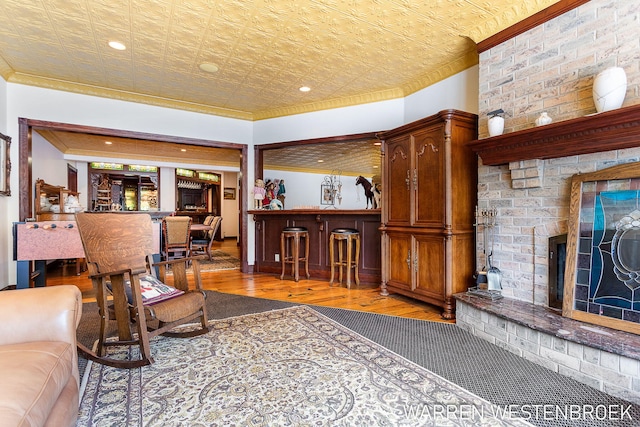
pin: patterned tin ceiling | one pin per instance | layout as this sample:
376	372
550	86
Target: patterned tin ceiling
347	51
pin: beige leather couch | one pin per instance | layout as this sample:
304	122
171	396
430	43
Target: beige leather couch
38	357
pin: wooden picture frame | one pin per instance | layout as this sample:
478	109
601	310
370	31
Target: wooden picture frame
5	165
585	189
229	193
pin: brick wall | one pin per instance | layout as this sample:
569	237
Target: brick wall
549	68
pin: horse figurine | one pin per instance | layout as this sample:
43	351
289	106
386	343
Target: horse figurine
367	190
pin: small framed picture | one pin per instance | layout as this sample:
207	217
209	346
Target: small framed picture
229	193
328	195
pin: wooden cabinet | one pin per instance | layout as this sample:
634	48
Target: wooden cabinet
50	202
430	183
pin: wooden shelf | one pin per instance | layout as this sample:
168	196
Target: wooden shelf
611	130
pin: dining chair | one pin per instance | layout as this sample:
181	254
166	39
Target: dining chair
176	236
133	290
202	245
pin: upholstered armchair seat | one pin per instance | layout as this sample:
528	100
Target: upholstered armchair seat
38	358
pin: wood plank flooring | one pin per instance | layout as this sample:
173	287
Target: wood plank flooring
315	292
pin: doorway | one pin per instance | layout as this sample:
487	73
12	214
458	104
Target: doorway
25	173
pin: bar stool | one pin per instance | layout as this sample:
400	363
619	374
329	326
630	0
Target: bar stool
351	237
290	250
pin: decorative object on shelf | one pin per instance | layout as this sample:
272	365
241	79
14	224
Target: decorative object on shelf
609	89
258	194
368	191
276	205
543	119
331	189
496	122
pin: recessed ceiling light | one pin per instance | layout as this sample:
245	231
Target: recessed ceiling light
108	142
208	67
305	89
117	45
320	161
184	150
377	143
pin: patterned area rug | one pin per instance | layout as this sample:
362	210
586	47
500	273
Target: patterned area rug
284	367
220	260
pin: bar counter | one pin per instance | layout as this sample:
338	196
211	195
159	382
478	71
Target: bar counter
269	224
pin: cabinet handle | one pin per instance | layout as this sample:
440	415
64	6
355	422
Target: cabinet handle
408	180
415	264
409	260
415	179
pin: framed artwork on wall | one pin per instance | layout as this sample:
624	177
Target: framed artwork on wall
5	165
229	193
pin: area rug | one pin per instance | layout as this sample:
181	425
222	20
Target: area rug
220	260
284	367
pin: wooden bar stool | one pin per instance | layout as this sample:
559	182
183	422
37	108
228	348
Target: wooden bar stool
290	250
351	237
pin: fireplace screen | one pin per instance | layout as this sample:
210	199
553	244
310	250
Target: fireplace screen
603	248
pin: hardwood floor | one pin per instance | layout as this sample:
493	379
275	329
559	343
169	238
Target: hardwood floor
315	292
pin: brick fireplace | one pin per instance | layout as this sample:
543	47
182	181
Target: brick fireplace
548	65
549	68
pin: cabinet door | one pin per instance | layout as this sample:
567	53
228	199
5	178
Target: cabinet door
430	265
400	260
429	177
398	175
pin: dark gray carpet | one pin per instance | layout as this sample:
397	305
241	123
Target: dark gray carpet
476	365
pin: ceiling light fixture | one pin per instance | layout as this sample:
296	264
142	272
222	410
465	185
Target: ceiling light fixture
305	89
108	142
117	45
184	150
209	67
320	161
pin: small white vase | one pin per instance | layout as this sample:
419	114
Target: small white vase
609	89
544	119
496	125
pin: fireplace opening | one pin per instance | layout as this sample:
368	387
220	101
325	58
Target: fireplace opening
557	260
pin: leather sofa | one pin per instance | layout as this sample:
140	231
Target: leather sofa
38	358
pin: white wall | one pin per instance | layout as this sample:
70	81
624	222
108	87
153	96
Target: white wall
48	163
459	92
363	118
231	208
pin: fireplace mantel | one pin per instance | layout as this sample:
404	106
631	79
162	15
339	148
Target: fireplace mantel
611	130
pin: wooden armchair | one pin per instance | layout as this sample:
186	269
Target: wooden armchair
119	252
203	244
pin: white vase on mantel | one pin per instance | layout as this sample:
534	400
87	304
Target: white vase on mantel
609	89
496	125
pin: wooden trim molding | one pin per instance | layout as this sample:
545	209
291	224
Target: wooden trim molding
533	21
611	130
